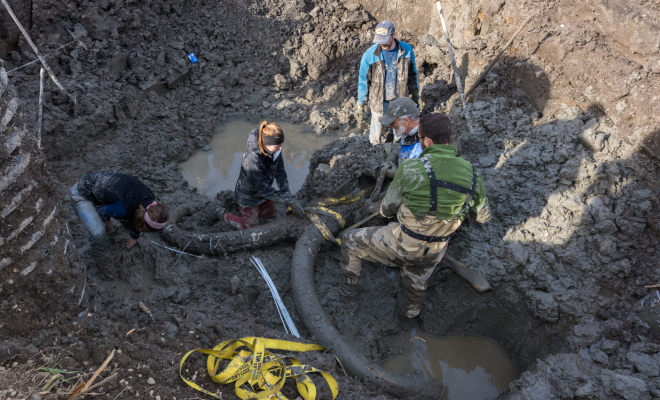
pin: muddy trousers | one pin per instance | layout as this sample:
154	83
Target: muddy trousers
376	128
91	220
379	245
250	216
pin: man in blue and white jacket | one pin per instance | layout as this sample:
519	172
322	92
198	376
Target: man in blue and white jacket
387	71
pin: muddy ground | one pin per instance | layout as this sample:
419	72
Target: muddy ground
565	135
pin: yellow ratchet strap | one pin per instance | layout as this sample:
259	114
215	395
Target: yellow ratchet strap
256	372
320	206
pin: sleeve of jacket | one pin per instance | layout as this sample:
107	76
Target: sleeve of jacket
394	197
479	207
413	89
281	178
261	183
363	85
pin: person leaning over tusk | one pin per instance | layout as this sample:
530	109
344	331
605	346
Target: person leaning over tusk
119	196
430	197
262	164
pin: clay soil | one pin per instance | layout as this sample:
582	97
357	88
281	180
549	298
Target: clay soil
565	133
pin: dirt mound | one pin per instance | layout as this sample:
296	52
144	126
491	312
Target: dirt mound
566	131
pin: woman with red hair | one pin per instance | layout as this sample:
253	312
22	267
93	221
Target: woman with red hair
261	166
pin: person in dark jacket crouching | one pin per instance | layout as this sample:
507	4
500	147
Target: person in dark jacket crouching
100	195
262	164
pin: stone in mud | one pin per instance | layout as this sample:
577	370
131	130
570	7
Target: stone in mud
628	387
648	310
598	355
610	346
543	305
282	82
519	253
644	363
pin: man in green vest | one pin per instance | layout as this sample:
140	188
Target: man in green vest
430	197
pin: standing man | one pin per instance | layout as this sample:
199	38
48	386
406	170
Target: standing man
402	116
430	196
387	71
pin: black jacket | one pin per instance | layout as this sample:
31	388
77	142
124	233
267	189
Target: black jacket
106	187
258	172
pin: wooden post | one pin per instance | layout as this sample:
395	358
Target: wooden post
36	51
457	75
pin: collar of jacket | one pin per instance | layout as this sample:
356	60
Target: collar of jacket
442	150
379	49
409	139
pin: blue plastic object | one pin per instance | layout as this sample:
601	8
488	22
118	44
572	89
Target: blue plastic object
192	58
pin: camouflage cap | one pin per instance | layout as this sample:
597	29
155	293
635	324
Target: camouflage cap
398	108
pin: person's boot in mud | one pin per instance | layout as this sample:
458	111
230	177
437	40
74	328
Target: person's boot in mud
405	322
348	294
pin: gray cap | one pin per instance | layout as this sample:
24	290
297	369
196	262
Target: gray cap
384	32
398	107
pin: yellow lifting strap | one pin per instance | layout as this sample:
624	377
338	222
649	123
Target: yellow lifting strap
256	372
319	206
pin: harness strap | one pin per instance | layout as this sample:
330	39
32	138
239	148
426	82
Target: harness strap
424	238
436	183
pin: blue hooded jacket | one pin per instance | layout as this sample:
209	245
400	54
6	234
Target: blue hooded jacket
371	81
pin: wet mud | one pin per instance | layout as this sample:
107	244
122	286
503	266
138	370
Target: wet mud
565	126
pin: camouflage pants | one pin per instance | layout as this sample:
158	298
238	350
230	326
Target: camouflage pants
390	246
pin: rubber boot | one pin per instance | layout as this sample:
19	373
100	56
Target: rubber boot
348	294
405	322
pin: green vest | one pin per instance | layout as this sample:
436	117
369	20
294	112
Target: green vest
411	185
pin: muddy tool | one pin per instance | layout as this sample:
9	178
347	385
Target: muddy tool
474	278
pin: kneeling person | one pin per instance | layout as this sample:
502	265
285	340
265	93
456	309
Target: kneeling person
262	164
120	196
430	196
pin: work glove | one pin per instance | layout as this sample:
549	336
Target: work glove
359	114
297	209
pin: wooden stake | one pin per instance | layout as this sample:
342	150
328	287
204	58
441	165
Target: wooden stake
40	113
457	75
490	65
36	51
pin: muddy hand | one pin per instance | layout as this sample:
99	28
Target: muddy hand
297	209
131	243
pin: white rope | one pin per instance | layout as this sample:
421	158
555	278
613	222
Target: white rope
289	326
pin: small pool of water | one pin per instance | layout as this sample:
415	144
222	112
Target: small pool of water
471	367
216	170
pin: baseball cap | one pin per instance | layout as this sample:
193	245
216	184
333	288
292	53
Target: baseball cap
384	32
398	107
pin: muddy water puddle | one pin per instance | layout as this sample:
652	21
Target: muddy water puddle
471	367
218	169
